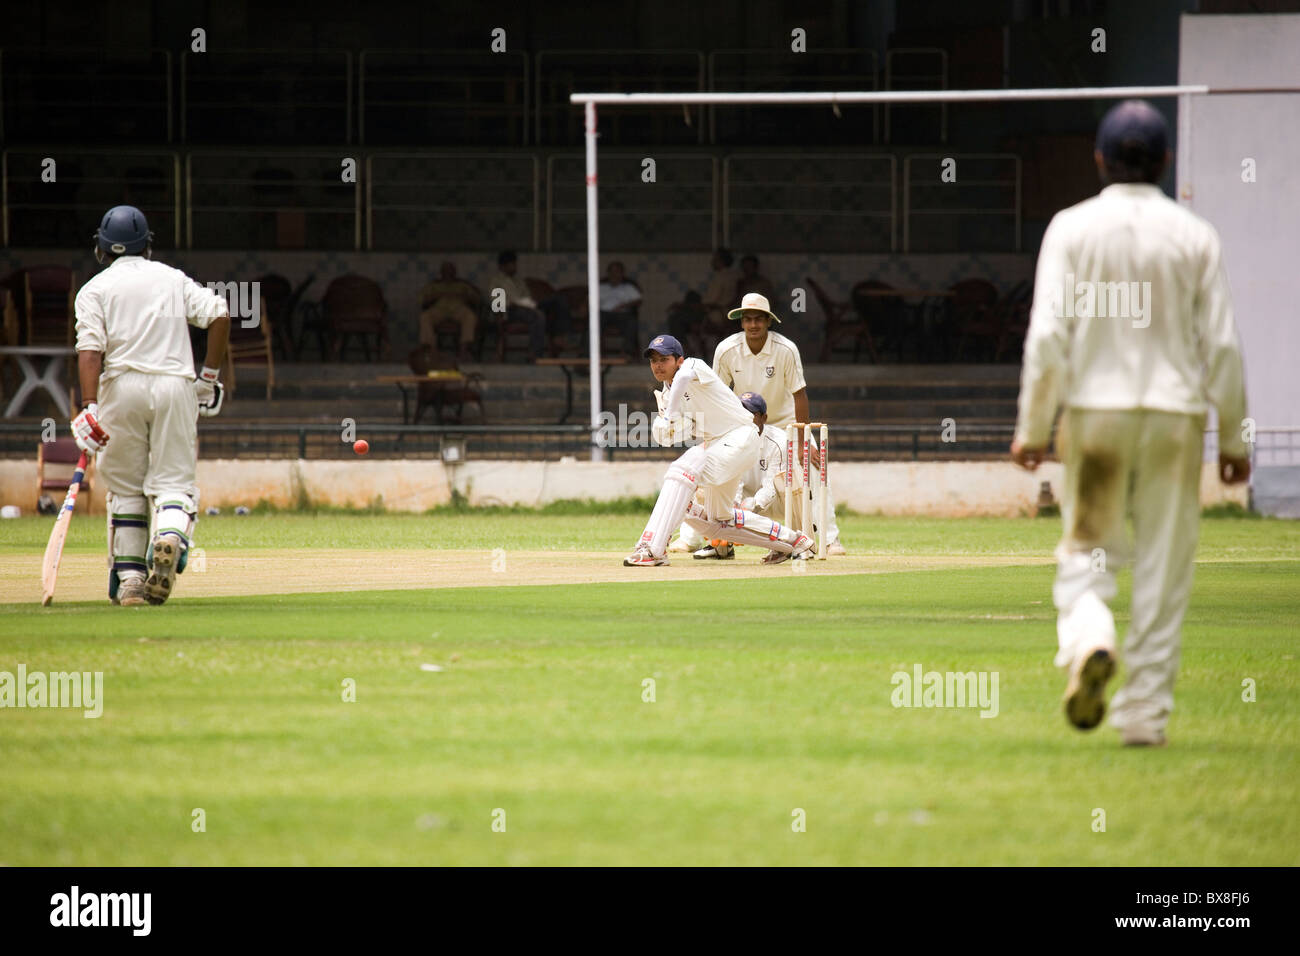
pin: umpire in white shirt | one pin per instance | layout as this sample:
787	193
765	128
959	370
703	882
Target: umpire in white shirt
1132	334
140	401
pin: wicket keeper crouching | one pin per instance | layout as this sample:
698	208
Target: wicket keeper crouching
729	447
141	400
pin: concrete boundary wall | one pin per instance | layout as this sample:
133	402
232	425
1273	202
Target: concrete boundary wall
941	489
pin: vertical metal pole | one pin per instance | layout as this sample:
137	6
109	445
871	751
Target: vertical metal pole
1183	187
593	285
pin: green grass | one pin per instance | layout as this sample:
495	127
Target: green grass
770	696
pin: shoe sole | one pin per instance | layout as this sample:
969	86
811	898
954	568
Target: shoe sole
1085	697
159	585
630	563
714	557
1146	742
133	601
799	555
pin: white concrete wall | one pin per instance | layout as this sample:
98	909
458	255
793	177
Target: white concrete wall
945	489
1259	221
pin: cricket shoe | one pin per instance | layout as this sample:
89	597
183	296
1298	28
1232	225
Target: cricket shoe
1139	736
1085	695
803	547
642	558
722	552
835	549
130	592
167	553
680	546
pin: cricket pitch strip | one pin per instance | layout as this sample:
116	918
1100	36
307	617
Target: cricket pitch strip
248	573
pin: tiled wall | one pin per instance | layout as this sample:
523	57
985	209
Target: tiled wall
664	277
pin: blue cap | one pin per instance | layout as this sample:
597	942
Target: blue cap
1131	132
754	402
664	345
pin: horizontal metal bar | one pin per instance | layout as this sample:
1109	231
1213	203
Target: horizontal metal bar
887	96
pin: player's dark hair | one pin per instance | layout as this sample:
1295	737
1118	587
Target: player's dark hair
1133	162
506	256
726	257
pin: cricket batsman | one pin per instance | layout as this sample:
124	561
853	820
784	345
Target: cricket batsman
141	400
1135	383
759	360
762	489
729	446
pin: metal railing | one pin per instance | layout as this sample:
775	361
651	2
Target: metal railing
979	188
453	201
55	197
566	71
456	89
454	443
769	70
933	78
246	90
928	441
824	196
258	196
677	210
86	94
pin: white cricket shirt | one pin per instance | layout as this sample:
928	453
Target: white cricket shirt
775	372
767	477
135	311
701	397
1131	311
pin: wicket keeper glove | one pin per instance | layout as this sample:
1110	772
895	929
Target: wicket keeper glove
209	392
87	432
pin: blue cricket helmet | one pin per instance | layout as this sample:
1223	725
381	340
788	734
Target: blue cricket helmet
123	231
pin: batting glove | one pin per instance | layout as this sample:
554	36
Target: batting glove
87	432
209	392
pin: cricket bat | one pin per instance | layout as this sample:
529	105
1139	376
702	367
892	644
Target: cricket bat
54	550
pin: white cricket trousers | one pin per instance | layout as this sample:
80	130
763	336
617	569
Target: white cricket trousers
1145	465
152	425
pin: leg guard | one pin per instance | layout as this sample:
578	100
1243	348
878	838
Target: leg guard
745	527
128	538
173	522
175	515
674	498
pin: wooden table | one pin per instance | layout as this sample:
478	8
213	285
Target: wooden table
441	377
51	379
567	365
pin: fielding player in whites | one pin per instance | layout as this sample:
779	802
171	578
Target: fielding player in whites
140	401
1135	389
728	448
757	359
762	489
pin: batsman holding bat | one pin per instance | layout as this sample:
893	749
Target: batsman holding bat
729	447
1135	390
141	400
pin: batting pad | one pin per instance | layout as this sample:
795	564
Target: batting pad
746	527
674	498
174	514
128	535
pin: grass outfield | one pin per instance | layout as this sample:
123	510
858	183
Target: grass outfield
770	696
